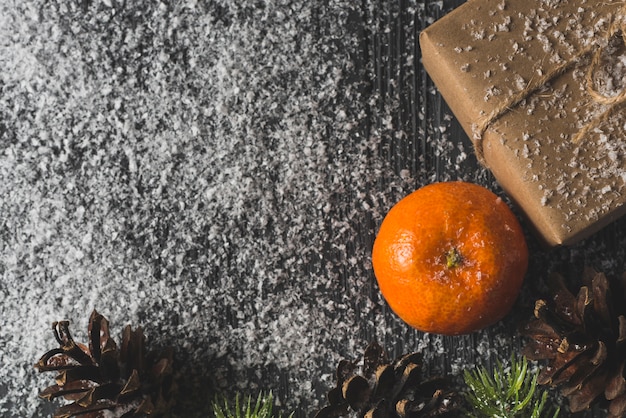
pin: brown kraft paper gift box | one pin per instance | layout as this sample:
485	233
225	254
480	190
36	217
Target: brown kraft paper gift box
538	85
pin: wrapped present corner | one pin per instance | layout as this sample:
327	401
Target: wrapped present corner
540	88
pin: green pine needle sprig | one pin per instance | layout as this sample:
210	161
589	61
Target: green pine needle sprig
245	408
508	393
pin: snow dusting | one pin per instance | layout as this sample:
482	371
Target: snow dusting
212	171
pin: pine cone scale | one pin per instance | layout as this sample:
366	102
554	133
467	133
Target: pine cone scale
581	399
132	352
98	393
385	378
565	303
410	374
356	391
132	385
585	367
335	396
545	340
379	410
80	373
584	308
621	334
602	298
556	317
73	410
95	337
617	408
617	384
67	391
560	369
334	410
373	357
146	407
55	360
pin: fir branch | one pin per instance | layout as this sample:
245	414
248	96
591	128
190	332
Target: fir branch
506	393
263	407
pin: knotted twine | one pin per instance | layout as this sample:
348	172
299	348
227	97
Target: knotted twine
613	102
618	25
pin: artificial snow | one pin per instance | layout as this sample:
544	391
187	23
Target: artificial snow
209	171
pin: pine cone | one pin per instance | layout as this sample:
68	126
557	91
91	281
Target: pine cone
386	390
583	339
103	380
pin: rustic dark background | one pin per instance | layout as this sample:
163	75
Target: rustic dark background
216	171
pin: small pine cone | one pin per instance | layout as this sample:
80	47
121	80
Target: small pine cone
583	340
388	389
104	381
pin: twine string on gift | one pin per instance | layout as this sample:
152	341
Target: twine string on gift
612	102
618	25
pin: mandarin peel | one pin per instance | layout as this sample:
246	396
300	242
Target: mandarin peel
450	258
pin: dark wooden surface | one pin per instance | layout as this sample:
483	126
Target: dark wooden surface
208	275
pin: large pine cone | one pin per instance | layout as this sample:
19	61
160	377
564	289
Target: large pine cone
583	339
388	389
104	381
